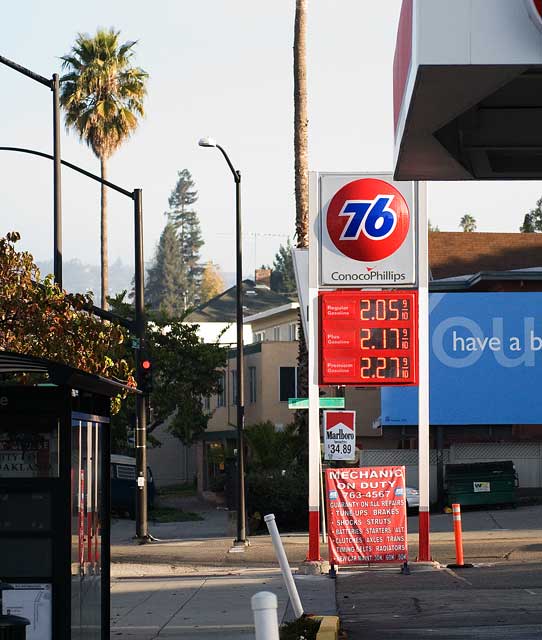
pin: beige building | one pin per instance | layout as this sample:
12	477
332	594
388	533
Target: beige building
270	372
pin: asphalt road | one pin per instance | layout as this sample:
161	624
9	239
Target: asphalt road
500	602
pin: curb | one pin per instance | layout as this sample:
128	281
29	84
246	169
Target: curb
329	628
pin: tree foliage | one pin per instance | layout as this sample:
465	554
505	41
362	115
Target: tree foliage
164	286
533	220
211	282
185	219
272	449
432	227
38	318
283	276
102	94
468	223
185	370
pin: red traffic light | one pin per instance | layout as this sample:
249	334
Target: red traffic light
146	364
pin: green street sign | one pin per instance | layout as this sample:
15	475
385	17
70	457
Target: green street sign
325	403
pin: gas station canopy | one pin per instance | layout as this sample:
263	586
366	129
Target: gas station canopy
467	83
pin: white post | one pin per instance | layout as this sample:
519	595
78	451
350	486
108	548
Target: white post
314	390
424	552
323	504
264	609
284	566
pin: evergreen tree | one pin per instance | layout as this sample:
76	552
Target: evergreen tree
283	277
185	220
211	283
533	220
165	288
433	228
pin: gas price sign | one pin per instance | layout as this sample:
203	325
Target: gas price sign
369	338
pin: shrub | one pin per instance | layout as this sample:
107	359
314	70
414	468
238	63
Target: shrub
283	495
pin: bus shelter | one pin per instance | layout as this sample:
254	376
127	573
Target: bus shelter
54	499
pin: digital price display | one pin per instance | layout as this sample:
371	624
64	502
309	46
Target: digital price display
369	338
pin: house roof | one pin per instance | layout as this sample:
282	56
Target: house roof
458	253
222	308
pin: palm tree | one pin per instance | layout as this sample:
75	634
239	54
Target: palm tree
301	125
468	223
102	94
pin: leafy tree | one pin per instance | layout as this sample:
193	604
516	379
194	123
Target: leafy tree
433	228
211	283
164	286
533	220
282	276
185	370
185	220
102	94
38	318
468	223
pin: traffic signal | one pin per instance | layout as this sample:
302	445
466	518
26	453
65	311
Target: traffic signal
146	375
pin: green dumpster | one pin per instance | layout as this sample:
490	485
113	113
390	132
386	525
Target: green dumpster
481	483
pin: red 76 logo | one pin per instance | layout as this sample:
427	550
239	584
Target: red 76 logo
373	217
367	219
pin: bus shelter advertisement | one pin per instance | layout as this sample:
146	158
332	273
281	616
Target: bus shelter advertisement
366	510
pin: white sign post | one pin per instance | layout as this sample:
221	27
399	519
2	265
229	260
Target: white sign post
362	235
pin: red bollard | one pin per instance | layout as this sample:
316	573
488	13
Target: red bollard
458	534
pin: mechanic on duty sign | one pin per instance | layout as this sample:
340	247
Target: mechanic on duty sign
339	435
366	510
367	231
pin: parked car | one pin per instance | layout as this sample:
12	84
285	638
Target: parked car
412	498
123	485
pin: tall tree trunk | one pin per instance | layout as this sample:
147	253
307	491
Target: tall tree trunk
103	235
301	125
301	188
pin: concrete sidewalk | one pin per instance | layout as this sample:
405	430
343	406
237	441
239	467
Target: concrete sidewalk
206	607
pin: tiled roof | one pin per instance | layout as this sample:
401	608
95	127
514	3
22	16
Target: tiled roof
459	253
222	308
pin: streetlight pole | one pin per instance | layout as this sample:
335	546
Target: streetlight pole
241	539
140	330
54	85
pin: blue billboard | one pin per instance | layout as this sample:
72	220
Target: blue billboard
485	362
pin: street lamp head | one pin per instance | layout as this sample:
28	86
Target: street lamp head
207	142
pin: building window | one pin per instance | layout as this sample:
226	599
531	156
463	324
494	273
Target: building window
221	397
259	336
252	384
234	387
292	331
276	333
287	383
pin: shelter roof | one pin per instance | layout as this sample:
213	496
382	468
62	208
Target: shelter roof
61	374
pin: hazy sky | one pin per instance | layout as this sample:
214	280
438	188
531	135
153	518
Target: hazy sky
221	68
